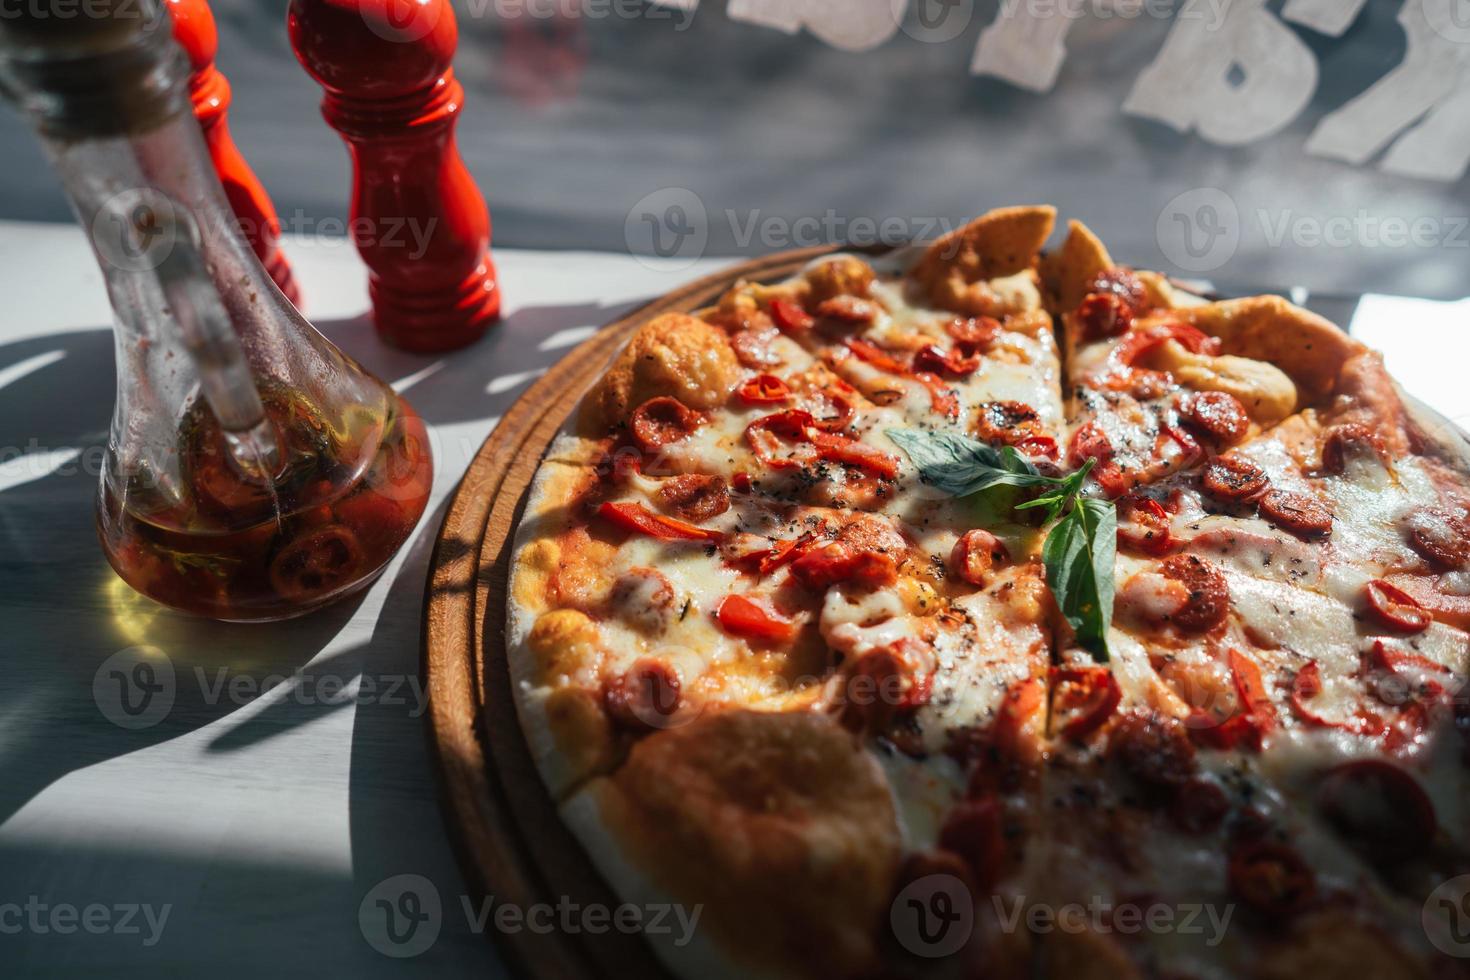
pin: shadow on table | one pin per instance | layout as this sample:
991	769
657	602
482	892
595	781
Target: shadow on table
69	618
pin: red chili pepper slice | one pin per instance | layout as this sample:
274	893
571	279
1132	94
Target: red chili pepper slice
870	353
764	389
1023	699
1231	733
764	436
1395	608
1189	449
1252	690
954	361
851	452
743	616
1141	340
1307	685
941	398
790	317
1100	693
638	518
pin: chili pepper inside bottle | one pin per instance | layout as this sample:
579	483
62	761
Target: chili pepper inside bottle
253	471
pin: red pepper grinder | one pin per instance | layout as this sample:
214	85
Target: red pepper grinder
418	219
210	93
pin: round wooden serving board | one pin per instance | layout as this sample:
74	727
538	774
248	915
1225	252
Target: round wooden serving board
510	840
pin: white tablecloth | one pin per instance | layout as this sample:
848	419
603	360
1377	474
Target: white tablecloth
260	812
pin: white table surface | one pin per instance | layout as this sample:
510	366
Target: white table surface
263	820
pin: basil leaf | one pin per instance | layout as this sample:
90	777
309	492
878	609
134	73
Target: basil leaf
1078	555
1056	501
960	466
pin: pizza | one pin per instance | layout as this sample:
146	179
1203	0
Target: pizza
980	609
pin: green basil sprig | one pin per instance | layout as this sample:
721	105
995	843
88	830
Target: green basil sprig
1080	547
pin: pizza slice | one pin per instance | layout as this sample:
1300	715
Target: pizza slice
1160	380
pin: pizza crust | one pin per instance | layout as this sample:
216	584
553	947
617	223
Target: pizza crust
781	826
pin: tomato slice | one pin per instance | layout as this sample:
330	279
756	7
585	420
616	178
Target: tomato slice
885	682
1097	690
976	332
790	317
1144	525
1233	478
975	830
1209	592
821	568
743	616
661	421
1395	608
1198	806
1271	878
1219	415
764	389
636	517
1303	516
317	563
1378	808
1104	315
644	698
975	554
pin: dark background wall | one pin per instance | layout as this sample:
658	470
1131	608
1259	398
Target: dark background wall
571	128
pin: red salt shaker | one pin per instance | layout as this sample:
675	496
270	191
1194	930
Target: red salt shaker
418	219
209	91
